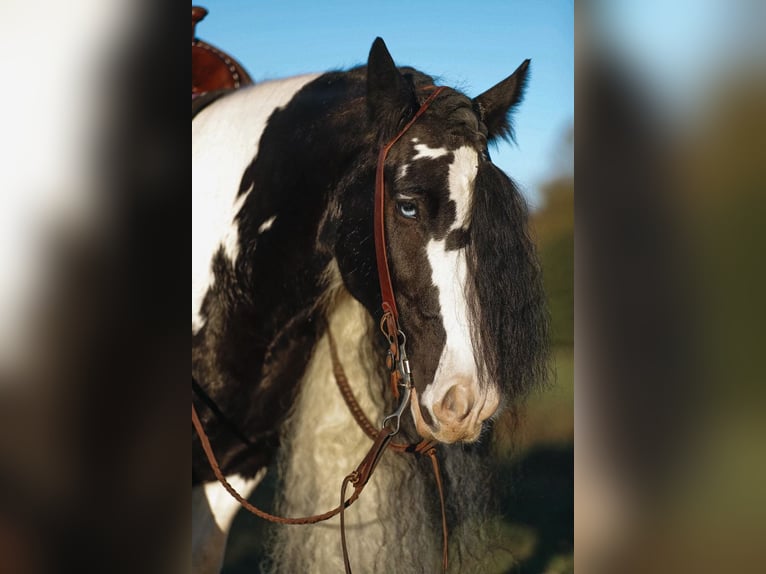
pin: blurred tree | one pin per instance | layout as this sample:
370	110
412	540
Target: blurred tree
553	230
724	167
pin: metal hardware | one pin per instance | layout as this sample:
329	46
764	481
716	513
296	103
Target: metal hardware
403	364
397	414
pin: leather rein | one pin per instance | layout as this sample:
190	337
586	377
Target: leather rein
400	376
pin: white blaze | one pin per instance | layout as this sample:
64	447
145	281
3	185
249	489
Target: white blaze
448	270
449	274
462	174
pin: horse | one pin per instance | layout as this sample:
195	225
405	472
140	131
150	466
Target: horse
284	272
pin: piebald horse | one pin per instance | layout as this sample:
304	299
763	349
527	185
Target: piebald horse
283	257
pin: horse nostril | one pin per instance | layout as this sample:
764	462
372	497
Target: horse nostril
456	404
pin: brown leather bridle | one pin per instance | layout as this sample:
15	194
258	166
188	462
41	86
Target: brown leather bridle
389	323
400	376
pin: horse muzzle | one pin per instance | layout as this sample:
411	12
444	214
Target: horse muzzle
457	416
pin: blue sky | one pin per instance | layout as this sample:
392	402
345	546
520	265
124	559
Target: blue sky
468	45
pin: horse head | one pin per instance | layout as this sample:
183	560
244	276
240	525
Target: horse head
463	267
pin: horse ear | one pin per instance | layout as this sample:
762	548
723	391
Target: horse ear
496	104
389	95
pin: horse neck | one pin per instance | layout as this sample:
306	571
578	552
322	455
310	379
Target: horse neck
395	525
321	443
264	310
306	152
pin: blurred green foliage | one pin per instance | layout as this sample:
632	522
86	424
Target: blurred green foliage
536	453
553	228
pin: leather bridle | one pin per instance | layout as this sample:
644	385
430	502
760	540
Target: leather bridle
389	323
400	376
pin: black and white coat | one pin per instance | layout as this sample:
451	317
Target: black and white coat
282	251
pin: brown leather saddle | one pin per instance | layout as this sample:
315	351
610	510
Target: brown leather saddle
214	72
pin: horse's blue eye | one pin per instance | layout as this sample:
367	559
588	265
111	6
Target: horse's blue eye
408	209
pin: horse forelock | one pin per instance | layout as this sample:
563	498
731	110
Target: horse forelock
504	290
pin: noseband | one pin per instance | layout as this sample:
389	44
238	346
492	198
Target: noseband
400	376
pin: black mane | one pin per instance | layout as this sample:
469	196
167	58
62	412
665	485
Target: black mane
506	292
270	305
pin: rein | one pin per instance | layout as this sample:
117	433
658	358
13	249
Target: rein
400	376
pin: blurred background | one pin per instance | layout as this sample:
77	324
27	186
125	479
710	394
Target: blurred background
671	174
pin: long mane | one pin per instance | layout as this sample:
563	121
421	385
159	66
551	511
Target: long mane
505	291
395	527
